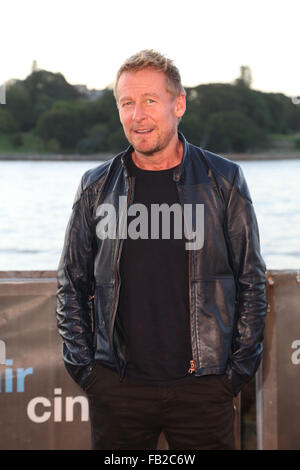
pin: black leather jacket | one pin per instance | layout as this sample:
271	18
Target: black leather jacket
227	299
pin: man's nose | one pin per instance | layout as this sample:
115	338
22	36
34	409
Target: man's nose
138	113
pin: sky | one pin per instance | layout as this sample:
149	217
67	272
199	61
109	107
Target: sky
208	40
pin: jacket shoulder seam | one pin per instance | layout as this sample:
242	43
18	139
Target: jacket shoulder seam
234	165
86	185
208	157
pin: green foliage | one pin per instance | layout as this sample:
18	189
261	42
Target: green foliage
7	122
16	139
285	114
53	146
231	131
103	131
45	113
6	145
192	128
228	118
93	141
63	124
28	99
52	85
19	105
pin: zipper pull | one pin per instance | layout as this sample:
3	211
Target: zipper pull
192	367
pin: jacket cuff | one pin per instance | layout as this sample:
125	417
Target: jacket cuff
238	381
81	374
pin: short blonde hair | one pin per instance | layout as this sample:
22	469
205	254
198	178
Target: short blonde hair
149	58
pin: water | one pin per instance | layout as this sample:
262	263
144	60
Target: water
36	200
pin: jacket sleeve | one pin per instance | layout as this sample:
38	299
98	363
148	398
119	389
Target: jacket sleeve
249	270
74	283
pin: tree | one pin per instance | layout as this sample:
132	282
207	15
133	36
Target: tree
19	105
45	88
231	131
51	84
64	125
223	116
192	128
8	124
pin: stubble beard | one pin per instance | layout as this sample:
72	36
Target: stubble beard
159	145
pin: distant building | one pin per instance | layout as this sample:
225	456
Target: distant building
91	94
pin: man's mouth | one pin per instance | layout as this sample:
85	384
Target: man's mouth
143	131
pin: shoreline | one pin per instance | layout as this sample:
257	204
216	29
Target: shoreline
270	154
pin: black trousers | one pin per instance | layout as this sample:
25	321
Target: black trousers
129	415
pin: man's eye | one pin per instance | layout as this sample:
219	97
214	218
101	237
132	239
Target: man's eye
150	101
126	103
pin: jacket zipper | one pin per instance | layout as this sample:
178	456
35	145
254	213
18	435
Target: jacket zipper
91	300
192	368
117	284
192	362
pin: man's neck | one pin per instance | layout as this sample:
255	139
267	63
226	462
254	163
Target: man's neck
166	158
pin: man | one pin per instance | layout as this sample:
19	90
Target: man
179	305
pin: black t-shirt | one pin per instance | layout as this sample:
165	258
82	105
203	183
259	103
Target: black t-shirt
153	306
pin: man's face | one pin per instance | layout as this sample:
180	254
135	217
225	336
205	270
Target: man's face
148	112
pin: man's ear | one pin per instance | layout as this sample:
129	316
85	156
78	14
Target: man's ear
118	109
180	105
